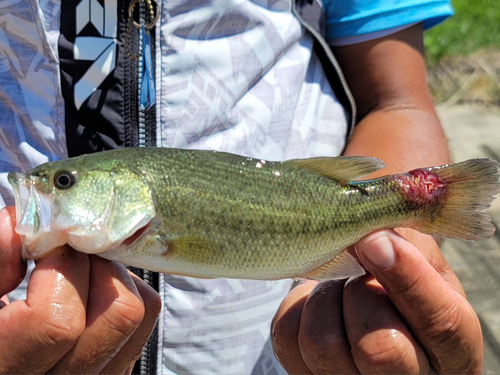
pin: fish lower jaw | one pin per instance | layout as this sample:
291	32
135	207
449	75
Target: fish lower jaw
96	244
35	247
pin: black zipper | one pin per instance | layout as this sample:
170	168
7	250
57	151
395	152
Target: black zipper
140	127
147	364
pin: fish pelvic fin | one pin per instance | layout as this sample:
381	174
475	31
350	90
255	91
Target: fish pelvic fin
343	266
343	169
470	187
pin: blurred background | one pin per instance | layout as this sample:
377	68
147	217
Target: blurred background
463	60
463	54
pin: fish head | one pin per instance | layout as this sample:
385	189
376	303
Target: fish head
93	208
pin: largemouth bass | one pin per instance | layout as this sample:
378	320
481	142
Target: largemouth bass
208	214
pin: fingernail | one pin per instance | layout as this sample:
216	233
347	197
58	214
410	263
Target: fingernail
377	249
9	239
308	282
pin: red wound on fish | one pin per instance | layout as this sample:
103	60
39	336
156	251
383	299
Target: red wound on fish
422	186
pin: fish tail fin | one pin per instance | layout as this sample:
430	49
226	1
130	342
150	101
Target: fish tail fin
470	187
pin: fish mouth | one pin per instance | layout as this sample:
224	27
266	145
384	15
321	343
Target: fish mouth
33	216
21	193
136	235
29	206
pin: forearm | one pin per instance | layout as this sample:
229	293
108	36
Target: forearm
398	123
403	138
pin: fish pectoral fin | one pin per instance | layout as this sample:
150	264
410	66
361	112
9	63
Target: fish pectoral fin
193	246
343	169
189	244
189	247
342	266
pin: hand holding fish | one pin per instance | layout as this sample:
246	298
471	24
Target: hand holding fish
410	317
82	314
207	214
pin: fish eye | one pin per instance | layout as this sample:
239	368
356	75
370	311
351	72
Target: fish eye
64	180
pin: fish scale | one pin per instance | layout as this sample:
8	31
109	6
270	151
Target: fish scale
209	214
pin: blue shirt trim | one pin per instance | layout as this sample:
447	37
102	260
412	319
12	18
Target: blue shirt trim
349	18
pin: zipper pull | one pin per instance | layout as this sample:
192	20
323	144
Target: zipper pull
148	91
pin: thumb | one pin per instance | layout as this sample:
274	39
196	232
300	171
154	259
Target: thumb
396	263
376	250
440	318
12	267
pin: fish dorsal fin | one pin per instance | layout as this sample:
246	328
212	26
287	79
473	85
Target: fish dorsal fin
343	266
343	169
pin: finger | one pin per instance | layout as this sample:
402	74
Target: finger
115	310
322	338
12	268
123	362
380	340
4	301
36	333
285	330
429	248
440	318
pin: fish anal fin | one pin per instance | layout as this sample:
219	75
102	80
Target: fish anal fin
343	169
342	266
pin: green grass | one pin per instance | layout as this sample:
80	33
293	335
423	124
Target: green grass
475	25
